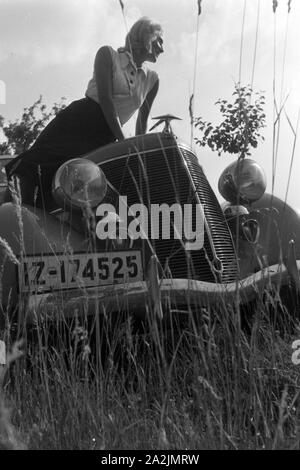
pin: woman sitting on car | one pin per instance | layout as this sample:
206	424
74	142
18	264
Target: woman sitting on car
121	85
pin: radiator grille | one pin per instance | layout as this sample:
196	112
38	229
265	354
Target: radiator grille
161	176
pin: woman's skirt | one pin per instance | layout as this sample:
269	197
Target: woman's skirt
78	129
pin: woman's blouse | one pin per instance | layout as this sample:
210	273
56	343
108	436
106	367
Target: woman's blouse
130	84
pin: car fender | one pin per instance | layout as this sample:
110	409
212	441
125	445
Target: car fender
282	222
278	224
26	231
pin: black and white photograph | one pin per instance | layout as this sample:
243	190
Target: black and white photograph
149	227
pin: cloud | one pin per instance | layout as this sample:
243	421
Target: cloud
54	32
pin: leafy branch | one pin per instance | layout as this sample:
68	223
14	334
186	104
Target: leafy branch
241	126
21	133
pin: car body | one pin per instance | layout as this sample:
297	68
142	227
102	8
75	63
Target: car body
53	260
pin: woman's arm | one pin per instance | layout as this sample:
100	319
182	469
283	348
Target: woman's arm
141	122
103	75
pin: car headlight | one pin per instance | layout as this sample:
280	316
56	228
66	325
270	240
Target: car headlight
79	183
242	182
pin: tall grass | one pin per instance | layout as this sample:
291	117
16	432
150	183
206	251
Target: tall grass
193	381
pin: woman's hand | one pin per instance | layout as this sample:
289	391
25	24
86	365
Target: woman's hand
103	75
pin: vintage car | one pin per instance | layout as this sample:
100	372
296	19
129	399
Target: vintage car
82	253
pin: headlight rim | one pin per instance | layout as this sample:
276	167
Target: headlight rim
63	199
236	194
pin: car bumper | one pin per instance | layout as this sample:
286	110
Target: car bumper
174	293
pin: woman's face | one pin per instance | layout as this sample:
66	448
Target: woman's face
155	49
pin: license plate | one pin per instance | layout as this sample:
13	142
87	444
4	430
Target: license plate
46	273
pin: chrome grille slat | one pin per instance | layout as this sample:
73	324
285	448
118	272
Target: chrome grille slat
220	232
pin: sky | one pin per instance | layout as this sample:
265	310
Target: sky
47	47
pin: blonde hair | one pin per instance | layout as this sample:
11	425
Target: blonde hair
142	33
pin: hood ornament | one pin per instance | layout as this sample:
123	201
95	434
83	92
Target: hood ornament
166	118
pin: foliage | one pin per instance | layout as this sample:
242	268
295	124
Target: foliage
21	133
241	126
